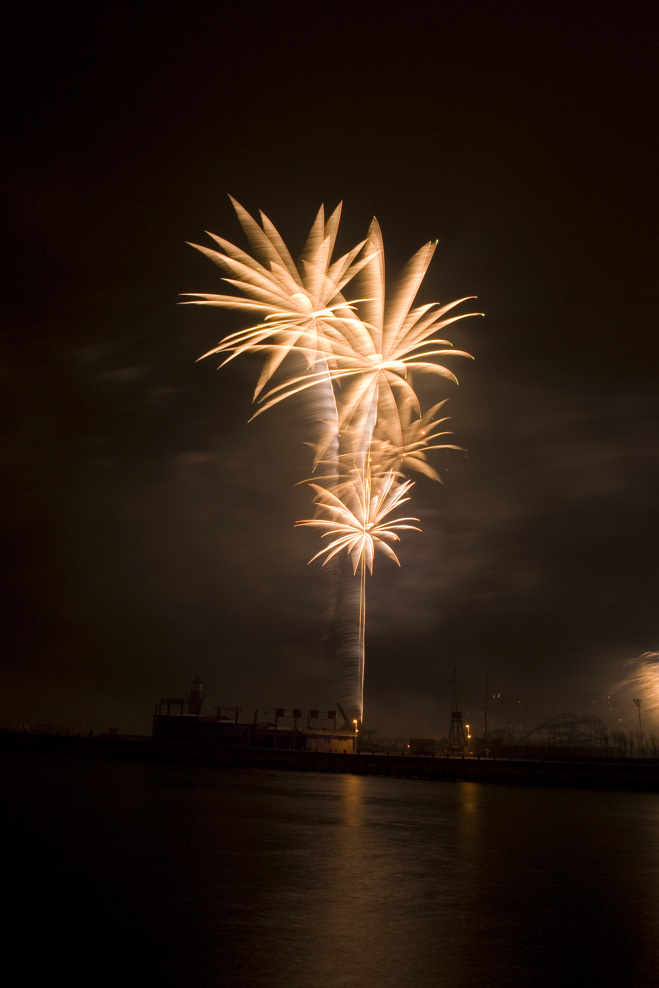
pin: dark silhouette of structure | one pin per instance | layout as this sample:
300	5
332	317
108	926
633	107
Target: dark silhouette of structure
457	742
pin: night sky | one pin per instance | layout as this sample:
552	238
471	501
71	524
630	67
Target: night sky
148	528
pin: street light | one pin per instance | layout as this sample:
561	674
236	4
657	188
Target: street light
640	729
356	723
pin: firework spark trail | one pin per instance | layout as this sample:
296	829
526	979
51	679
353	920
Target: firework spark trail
361	356
357	511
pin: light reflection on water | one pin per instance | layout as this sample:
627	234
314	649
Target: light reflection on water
196	876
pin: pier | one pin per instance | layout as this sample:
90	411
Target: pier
568	772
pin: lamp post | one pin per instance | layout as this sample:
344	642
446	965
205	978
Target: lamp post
640	729
356	723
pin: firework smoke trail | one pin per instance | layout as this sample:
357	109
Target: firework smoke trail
360	357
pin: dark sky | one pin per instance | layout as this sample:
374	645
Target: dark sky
148	529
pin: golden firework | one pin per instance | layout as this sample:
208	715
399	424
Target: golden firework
356	513
361	358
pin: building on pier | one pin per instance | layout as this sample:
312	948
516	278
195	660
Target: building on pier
292	729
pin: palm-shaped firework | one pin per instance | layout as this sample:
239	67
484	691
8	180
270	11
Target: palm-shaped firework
418	433
373	358
298	301
355	517
360	358
354	513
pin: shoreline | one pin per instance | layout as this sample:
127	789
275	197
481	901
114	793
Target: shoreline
579	772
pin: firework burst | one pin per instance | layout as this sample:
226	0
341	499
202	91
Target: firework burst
361	357
298	302
372	358
356	511
355	517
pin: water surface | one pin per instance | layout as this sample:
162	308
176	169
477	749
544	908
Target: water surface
139	874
